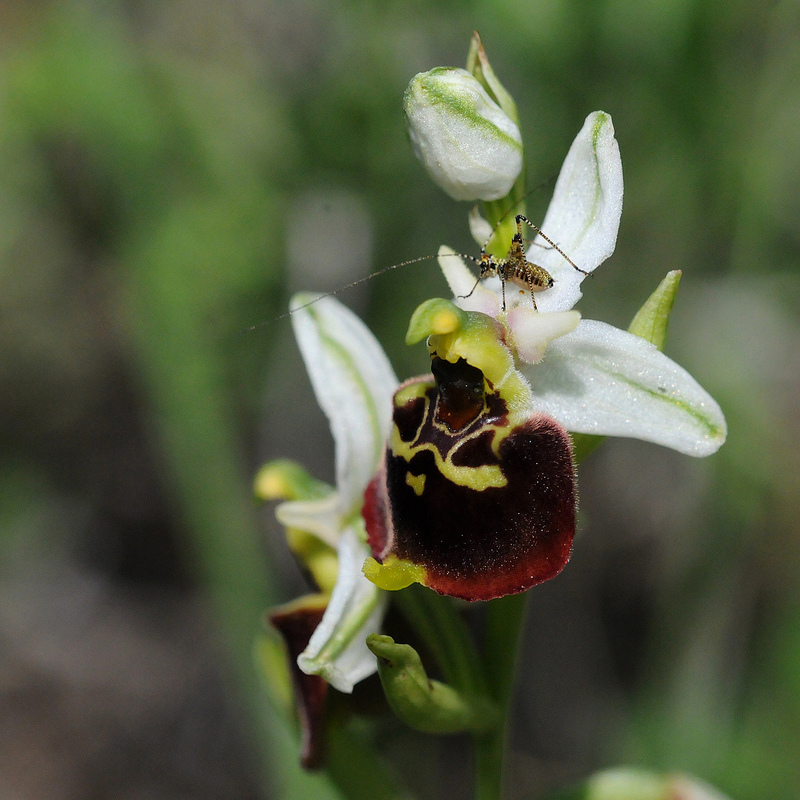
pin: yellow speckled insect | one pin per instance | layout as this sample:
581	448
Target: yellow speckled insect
514	268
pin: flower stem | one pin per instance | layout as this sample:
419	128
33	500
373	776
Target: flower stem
504	618
489	763
446	635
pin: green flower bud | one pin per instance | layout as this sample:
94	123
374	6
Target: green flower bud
423	704
471	148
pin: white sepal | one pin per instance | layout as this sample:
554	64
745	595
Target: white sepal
602	380
354	383
584	214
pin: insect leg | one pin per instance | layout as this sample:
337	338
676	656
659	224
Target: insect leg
465	296
538	230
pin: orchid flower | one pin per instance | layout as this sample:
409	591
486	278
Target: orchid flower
476	494
593	378
464	480
353	382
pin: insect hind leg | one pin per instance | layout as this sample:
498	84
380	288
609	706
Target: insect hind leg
520	219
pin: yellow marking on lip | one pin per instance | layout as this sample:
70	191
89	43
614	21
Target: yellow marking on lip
405	394
485	476
395	573
416	482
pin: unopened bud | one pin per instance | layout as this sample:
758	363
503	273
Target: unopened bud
471	148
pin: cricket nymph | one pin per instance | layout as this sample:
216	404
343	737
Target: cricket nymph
515	267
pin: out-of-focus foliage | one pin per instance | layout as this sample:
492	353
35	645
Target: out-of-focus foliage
170	171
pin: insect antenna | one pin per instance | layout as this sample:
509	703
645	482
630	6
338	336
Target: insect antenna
357	283
513	267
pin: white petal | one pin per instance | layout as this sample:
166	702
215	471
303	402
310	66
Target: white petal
354	384
602	380
462	282
583	217
337	649
532	331
321	517
479	227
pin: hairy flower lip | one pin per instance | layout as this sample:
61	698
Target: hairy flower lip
475	498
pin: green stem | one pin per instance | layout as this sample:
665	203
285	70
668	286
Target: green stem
489	749
504	620
446	636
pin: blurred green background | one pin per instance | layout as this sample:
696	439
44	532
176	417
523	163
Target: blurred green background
170	171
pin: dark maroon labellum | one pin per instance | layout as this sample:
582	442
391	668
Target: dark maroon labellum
486	508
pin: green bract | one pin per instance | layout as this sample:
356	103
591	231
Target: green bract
429	706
